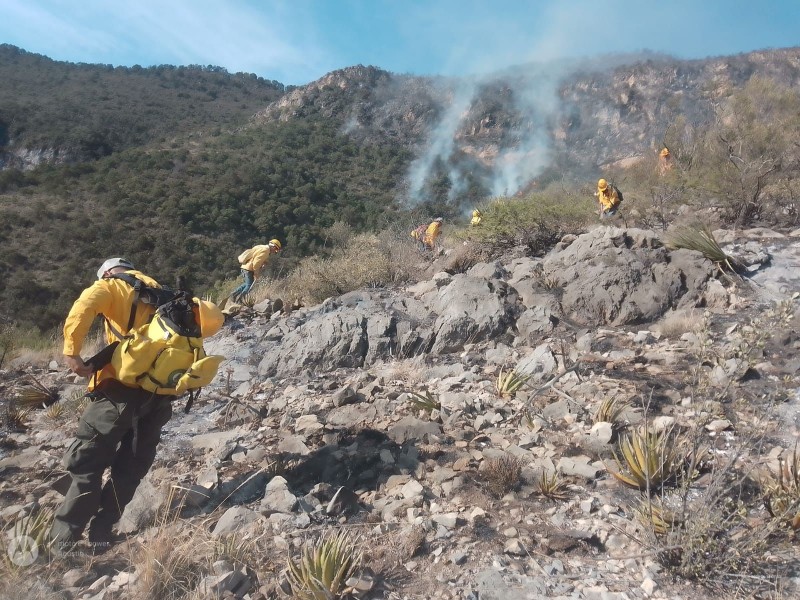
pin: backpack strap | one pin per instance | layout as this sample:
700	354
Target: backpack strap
137	285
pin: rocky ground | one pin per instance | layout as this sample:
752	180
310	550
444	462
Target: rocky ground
377	413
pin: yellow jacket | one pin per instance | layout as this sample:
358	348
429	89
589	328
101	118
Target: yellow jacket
608	198
432	232
476	218
112	298
255	258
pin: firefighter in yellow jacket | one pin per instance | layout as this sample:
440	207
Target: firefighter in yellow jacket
252	261
120	428
477	217
608	197
432	233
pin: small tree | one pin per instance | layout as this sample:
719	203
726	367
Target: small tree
751	146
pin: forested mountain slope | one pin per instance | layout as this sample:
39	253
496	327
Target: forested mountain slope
180	168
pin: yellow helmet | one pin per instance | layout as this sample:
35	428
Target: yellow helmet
602	184
210	317
276	244
665	152
476	213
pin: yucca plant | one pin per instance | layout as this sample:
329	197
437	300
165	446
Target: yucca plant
782	493
427	402
550	485
647	459
509	383
16	418
36	395
322	569
54	412
699	238
30	533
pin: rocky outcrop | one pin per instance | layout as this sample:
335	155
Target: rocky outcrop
624	276
607	276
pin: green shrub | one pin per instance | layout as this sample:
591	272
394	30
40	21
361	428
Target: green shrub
536	221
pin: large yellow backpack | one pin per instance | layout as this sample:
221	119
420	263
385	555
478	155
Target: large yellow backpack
166	355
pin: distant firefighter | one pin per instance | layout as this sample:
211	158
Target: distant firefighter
477	216
432	233
608	197
664	160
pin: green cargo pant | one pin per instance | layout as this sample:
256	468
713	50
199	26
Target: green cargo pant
121	430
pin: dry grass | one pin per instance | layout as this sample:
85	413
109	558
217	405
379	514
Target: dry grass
367	261
502	475
169	564
675	323
782	492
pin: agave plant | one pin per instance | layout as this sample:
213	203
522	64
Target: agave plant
647	459
610	410
509	383
550	485
427	402
322	569
782	493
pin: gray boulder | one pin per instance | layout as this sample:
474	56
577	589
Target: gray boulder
620	276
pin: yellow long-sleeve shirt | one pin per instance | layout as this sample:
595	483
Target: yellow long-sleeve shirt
112	298
256	258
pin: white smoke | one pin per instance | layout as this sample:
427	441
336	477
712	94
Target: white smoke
441	141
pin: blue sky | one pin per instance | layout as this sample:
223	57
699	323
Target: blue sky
297	41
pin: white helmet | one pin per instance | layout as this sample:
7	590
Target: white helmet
113	262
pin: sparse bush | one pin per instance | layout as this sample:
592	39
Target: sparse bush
16	418
30	533
54	412
503	474
322	568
